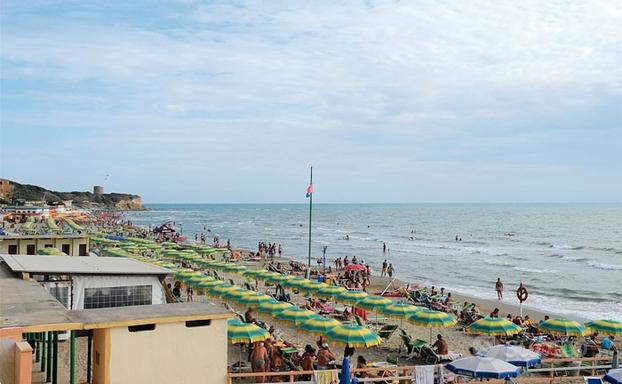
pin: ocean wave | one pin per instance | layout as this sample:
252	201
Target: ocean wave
533	270
565	247
610	267
568	258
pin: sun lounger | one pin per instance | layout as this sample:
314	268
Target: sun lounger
431	357
387	331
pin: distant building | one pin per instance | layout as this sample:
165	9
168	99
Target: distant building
71	245
98	190
6	189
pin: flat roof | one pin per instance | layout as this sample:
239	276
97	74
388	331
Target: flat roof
81	265
50	236
148	314
27	304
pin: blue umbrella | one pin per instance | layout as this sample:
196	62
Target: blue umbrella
483	367
614	376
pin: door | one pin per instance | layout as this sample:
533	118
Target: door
30	249
66	248
12	249
82	250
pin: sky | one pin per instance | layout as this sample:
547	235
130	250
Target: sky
389	101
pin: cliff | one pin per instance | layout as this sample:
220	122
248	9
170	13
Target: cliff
122	201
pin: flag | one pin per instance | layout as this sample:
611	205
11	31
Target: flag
309	190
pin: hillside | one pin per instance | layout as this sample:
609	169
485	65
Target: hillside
122	201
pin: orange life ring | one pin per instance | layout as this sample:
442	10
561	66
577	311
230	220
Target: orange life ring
522	294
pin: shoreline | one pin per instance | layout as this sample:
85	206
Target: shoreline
378	284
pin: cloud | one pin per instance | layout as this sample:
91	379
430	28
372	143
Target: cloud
265	88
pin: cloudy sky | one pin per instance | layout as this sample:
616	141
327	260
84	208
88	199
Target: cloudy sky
397	101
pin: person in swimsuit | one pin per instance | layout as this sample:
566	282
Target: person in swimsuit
259	360
499	288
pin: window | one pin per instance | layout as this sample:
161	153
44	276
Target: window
30	249
82	250
12	249
48	245
117	296
66	249
61	294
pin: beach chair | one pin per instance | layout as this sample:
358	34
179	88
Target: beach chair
387	331
413	347
431	357
593	380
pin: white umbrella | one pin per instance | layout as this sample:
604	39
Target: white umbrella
614	376
514	355
486	367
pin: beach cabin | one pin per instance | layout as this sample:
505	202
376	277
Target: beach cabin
69	244
159	343
93	282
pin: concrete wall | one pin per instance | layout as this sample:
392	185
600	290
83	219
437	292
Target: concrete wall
15	357
172	353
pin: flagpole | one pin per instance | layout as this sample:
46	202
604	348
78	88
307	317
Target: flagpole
310	214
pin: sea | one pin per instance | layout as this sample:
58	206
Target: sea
569	256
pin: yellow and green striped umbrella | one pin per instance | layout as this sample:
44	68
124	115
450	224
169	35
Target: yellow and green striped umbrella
295	282
232	267
258	274
610	327
374	303
399	310
274	277
209	283
318	325
432	319
562	327
295	315
196	278
254	299
221	289
329	291
273	307
236	294
494	326
239	332
354	335
311	286
352	297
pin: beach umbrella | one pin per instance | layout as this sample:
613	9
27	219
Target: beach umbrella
351	297
514	355
614	376
562	327
610	327
221	289
311	286
328	291
355	267
318	325
275	277
236	294
483	367
295	315
494	326
399	310
273	306
235	268
209	283
374	303
239	332
260	274
295	282
254	299
432	319
354	335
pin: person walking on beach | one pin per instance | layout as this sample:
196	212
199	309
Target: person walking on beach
384	268
384	247
499	288
390	270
